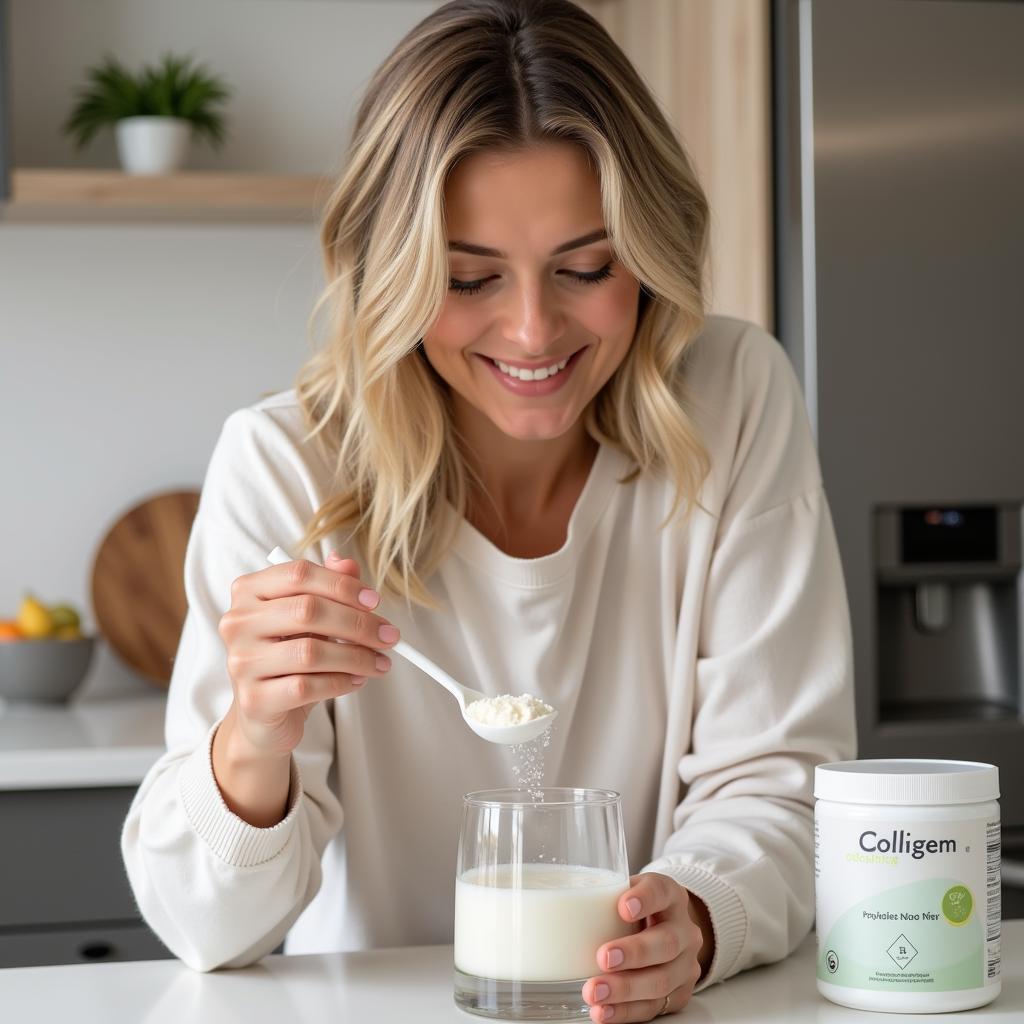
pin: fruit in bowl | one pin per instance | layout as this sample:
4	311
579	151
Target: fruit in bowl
44	655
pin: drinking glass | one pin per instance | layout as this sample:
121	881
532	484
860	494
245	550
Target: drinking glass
536	889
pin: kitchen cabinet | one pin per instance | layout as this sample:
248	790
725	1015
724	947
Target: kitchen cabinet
68	773
64	895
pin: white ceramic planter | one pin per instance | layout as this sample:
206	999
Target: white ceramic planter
152	145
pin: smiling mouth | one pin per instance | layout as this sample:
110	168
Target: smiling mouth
527	373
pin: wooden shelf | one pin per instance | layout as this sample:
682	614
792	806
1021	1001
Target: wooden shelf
65	194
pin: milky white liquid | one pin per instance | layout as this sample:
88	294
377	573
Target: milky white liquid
546	927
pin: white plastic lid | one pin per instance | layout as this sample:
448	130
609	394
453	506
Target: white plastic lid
906	781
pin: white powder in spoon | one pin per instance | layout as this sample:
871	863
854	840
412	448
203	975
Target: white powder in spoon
508	710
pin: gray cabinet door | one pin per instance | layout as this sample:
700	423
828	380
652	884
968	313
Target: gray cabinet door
60	859
64	894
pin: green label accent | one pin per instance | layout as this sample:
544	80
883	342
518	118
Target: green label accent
957	904
917	937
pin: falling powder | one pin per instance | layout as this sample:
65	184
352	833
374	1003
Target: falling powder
528	771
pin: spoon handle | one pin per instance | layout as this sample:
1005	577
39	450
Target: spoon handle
457	690
279	556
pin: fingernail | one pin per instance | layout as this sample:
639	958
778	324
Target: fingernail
358	680
333	556
607	1012
601	992
370	598
383	663
614	957
388	634
633	906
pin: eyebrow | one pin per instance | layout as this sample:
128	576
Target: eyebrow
483	250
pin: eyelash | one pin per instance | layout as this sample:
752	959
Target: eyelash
594	277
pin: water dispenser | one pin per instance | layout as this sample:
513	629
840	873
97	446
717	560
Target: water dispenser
948	612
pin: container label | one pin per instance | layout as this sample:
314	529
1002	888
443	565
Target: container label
907	907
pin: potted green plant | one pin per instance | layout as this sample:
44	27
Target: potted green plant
154	114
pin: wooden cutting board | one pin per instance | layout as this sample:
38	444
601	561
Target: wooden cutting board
138	589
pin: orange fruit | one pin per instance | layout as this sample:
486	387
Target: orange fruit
9	631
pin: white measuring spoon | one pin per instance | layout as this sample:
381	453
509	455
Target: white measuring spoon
521	733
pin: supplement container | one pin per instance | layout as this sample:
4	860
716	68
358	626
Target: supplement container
906	867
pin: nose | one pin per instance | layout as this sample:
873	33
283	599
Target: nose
534	322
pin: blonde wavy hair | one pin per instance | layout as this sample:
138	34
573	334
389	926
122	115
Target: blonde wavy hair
487	75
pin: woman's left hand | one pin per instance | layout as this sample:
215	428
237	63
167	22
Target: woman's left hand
664	959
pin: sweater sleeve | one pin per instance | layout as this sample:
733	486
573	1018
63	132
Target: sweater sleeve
773	693
216	890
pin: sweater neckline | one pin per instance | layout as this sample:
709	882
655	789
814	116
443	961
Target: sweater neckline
470	544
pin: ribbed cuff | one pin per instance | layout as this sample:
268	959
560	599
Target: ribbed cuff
725	908
235	841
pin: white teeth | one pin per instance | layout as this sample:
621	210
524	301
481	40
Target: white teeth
540	374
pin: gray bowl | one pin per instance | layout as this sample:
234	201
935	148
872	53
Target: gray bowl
45	670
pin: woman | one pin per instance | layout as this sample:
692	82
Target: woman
540	463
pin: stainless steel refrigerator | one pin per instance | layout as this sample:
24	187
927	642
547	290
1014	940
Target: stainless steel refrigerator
899	200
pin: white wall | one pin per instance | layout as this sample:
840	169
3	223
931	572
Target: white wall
124	347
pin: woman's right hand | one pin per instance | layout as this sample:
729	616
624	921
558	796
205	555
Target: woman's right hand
280	633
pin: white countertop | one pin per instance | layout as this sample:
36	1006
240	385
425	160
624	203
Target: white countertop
89	743
414	984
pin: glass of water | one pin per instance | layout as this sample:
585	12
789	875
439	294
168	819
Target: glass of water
536	892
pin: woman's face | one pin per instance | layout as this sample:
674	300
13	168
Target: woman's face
533	286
